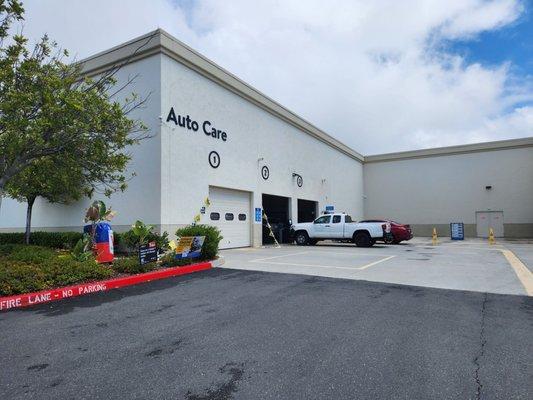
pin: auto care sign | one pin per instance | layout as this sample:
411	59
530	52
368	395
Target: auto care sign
189	246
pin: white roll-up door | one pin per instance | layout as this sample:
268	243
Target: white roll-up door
230	212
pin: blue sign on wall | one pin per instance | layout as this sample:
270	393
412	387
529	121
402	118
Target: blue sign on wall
330	208
457	231
257	214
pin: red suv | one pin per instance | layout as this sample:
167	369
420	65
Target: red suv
399	232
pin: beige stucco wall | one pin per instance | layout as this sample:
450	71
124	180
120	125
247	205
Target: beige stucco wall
436	190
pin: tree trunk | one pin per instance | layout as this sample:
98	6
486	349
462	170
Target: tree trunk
2	192
30	201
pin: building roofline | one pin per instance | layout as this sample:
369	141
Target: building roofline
161	42
452	150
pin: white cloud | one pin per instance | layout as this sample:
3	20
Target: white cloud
372	74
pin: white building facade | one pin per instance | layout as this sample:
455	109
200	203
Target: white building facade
215	137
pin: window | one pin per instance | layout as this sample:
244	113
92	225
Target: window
242	217
214	216
336	219
347	219
323	219
229	217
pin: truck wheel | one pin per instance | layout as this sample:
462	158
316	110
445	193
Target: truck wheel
362	239
301	238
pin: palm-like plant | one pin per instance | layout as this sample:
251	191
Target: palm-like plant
96	213
141	231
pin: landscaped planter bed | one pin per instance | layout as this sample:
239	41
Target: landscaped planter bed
32	275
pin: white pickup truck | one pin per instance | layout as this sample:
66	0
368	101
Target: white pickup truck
340	227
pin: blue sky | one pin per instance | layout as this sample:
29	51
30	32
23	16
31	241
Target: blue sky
378	75
512	43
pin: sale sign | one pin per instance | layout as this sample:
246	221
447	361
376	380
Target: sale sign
189	246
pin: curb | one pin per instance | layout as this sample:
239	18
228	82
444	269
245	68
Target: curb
45	296
218	262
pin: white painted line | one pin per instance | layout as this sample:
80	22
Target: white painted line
322	266
346	253
375	262
522	272
303	265
280	256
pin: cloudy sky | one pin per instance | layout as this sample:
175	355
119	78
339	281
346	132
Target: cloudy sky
380	75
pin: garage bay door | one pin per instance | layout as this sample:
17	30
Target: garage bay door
230	212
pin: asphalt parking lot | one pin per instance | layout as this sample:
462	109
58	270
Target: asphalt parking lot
229	334
330	321
460	265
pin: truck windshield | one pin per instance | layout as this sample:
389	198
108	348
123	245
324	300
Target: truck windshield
347	219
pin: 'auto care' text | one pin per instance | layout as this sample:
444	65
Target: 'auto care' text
192	125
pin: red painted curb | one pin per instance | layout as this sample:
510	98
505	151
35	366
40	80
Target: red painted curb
28	299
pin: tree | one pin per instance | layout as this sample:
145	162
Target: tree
58	180
50	111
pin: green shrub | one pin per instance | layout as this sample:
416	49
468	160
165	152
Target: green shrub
30	254
66	271
12	238
7	249
26	269
170	260
130	265
55	240
161	241
126	240
212	238
129	241
18	278
82	250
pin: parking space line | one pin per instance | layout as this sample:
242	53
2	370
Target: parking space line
303	265
522	272
346	253
375	262
266	261
280	256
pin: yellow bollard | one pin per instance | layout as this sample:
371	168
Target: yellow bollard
434	237
491	236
